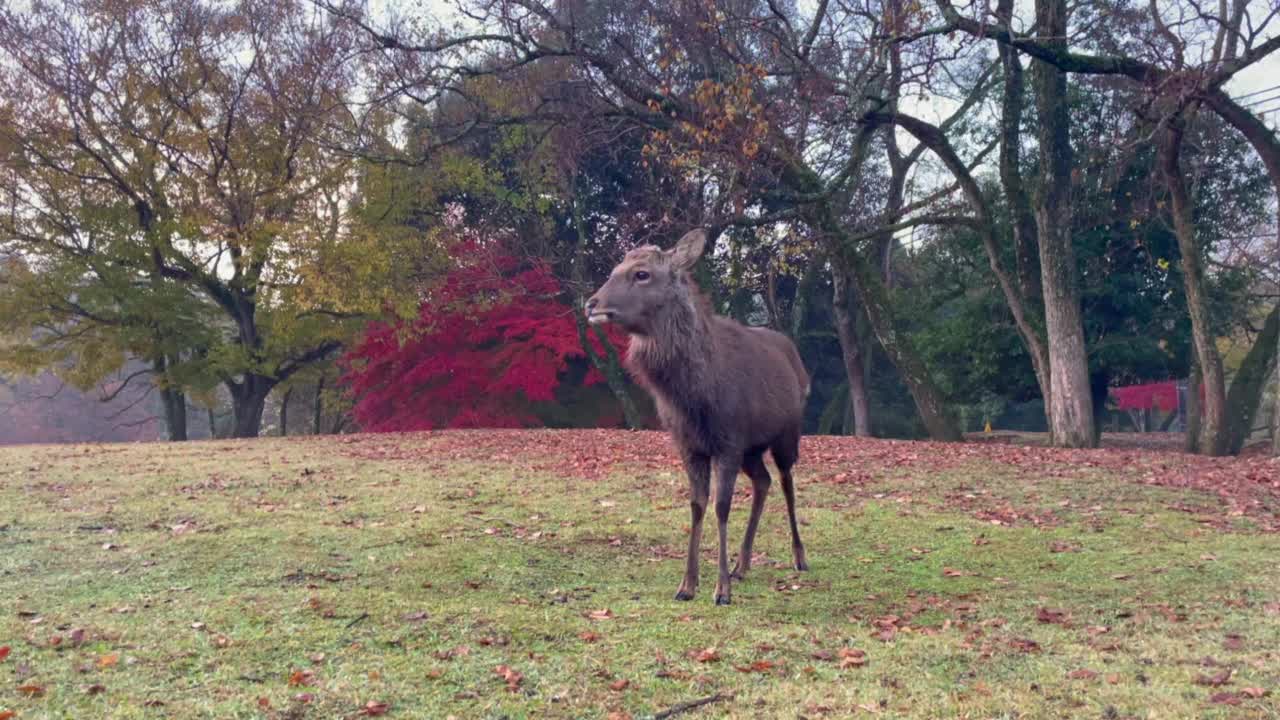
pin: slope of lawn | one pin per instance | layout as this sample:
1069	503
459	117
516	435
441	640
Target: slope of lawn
504	574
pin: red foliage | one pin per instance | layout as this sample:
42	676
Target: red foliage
488	344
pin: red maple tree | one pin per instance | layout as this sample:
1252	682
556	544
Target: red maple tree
492	341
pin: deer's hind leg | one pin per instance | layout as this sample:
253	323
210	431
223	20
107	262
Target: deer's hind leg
785	453
753	466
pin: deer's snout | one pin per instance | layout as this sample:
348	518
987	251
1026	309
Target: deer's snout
595	313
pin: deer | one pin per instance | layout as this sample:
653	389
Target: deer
725	392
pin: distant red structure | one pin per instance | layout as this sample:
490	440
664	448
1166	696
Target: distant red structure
1151	396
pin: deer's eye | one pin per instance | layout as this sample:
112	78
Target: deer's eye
641	275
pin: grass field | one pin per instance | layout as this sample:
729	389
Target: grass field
531	574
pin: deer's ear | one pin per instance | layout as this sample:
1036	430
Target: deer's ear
689	249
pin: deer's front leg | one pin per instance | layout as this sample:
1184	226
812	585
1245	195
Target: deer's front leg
726	473
698	468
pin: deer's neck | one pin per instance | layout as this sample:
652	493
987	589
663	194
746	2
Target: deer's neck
674	359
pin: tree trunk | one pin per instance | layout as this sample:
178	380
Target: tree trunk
1213	431
1249	383
932	137
1070	402
1275	416
318	408
248	400
1267	145
1192	441
284	412
174	401
852	354
1023	219
874	300
610	365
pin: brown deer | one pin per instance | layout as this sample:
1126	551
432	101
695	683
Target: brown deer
726	392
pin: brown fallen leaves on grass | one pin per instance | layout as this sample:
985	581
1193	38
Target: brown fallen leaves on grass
1217	679
1244	486
510	677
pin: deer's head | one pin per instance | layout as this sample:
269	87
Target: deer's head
647	280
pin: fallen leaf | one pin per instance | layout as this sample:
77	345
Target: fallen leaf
619	685
511	677
952	572
4	652
1254	692
109	660
605	614
1113	678
95	689
222	641
852	657
31	690
264	702
706	655
301	677
615	715
1082	674
1062	546
1233	642
374	708
1225	698
760	666
435	673
415	616
1025	645
1217	679
1053	617
317	658
588	636
824	655
304	698
7	714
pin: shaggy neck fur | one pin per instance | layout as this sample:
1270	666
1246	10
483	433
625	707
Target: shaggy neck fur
673	361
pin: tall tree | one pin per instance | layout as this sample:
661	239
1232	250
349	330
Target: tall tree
183	150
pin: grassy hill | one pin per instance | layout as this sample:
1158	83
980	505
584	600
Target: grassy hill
496	574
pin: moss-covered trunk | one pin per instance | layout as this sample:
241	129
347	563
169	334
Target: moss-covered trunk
1250	381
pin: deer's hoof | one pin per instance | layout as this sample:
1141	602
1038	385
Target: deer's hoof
801	563
684	595
738	574
722	599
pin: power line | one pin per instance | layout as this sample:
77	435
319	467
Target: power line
1258	92
1260	101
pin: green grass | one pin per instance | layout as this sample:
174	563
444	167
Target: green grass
195	580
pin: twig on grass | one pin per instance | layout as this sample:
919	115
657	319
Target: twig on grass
361	616
690	705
